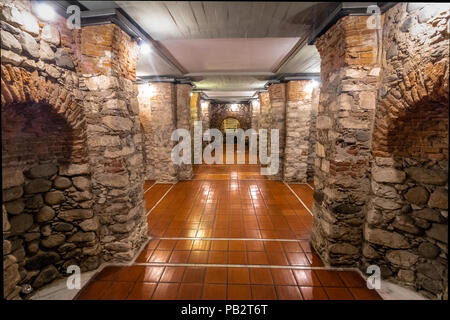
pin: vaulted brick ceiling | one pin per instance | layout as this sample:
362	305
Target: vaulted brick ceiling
229	49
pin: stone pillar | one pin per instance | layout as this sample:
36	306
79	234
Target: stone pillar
277	94
265	118
163	123
183	122
255	109
205	114
107	58
312	134
349	72
145	115
195	116
298	115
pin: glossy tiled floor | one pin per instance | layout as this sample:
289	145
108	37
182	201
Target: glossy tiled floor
229	233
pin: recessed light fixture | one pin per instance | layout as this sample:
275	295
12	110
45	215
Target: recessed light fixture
45	11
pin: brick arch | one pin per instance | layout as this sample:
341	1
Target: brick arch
407	111
20	88
219	117
235	118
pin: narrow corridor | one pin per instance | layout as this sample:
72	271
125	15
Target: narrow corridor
229	233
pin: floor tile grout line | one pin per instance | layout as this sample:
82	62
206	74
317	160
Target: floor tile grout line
156	204
261	266
229	239
299	199
154	183
141	249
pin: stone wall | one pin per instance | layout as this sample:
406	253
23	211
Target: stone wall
72	147
221	111
312	135
256	111
277	95
184	171
349	75
145	92
407	219
162	103
265	117
195	116
298	121
46	178
107	58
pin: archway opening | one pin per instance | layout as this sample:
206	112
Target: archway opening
230	124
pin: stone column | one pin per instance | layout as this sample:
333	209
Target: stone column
145	115
195	116
163	123
265	110
349	72
183	121
312	134
107	58
277	94
298	114
256	109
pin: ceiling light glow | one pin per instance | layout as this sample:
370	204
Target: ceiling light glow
204	105
45	12
144	47
234	107
311	86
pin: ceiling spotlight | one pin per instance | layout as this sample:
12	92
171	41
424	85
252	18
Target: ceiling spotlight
144	47
234	107
45	12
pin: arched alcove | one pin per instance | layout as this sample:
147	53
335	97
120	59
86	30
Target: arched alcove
230	124
46	181
406	231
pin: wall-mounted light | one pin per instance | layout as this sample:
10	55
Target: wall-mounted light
311	86
45	11
144	47
147	91
204	105
234	107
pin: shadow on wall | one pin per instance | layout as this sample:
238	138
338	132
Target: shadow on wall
33	132
47	196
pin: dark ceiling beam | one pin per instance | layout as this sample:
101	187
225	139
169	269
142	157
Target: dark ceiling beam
346	9
167	78
128	25
298	76
120	18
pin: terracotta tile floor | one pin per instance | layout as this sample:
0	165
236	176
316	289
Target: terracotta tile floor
229	233
217	283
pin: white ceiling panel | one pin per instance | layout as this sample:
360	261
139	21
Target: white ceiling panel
152	64
164	20
230	83
238	54
306	60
